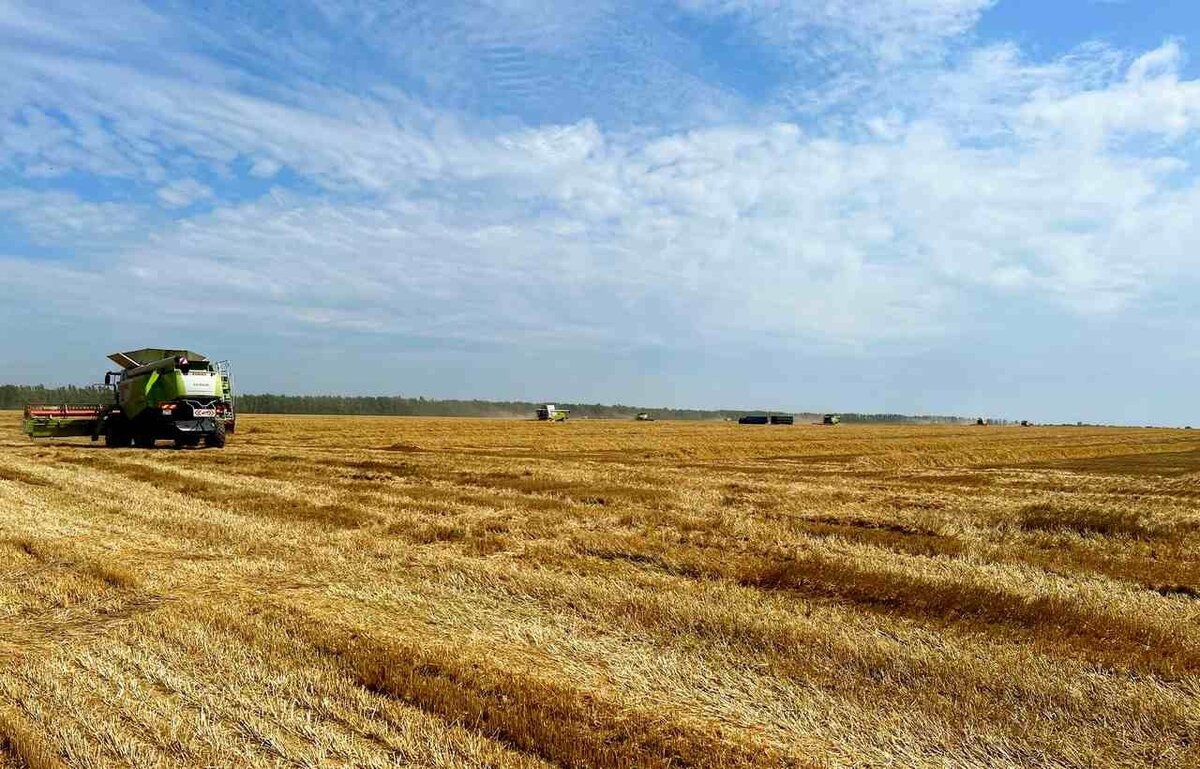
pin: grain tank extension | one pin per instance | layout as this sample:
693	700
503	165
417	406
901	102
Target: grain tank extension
158	394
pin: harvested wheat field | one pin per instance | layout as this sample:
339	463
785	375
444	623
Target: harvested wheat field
332	591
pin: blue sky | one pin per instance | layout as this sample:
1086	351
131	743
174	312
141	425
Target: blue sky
950	206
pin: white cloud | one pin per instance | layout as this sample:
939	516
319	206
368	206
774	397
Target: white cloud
1150	100
265	168
183	193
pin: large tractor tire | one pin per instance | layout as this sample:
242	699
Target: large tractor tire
116	433
216	439
143	438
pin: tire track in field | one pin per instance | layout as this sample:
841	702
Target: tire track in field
545	719
63	597
1094	631
259	501
669	609
548	721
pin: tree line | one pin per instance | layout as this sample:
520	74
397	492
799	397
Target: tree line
396	405
17	396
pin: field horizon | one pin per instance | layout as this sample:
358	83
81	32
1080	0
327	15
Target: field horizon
453	592
15	397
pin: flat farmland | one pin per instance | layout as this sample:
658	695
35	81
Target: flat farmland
343	591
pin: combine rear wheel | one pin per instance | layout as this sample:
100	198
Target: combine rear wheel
216	439
116	433
144	438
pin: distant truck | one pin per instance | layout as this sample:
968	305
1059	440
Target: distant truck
158	394
767	419
552	413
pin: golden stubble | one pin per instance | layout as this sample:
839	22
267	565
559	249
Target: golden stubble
453	592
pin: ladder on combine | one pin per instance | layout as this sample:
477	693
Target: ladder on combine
223	370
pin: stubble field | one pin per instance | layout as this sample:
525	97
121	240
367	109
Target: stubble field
378	592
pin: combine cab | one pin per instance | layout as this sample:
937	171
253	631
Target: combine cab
159	394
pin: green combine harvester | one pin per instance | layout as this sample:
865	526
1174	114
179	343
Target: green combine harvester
551	413
158	394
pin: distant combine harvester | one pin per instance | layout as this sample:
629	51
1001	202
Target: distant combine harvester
552	413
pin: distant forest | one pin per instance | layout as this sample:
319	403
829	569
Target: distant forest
16	396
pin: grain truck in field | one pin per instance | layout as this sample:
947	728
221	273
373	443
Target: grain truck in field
159	394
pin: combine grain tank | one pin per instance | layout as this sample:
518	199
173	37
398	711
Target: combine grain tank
159	394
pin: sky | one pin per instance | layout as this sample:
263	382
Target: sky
975	207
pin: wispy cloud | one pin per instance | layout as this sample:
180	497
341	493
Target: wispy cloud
887	31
